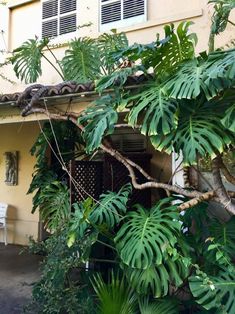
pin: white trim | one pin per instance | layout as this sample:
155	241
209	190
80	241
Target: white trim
15	3
4	32
177	170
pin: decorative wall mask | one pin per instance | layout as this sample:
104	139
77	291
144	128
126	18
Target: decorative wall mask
11	163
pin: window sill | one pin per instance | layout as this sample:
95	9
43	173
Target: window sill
16	3
164	20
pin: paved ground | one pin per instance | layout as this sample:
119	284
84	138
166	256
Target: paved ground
17	275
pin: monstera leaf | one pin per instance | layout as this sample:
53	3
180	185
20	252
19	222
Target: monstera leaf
157	278
108	45
229	119
54	205
215	292
99	120
159	112
178	47
82	60
110	207
161	306
27	59
199	132
222	9
146	235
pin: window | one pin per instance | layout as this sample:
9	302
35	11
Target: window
59	17
121	13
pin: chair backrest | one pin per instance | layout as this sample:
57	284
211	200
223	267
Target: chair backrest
3	212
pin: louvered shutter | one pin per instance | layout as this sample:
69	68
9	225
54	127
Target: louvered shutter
119	13
58	17
133	8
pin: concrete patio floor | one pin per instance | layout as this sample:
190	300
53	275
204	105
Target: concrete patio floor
18	273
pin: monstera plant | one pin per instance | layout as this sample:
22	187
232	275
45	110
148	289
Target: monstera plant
160	261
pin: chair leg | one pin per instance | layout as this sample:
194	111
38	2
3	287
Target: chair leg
5	235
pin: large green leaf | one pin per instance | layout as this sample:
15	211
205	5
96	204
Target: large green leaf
159	113
108	45
54	205
229	119
110	207
215	292
164	306
115	297
116	78
178	47
155	280
27	59
199	132
82	60
147	235
99	120
222	9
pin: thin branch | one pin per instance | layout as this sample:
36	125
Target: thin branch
60	74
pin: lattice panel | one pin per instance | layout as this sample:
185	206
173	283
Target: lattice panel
89	178
116	175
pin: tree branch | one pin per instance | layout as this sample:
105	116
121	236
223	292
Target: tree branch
220	190
229	177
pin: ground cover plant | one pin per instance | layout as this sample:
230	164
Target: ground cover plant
162	261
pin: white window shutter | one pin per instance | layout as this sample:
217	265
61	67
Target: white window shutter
58	17
121	13
133	8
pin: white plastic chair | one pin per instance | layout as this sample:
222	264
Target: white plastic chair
3	223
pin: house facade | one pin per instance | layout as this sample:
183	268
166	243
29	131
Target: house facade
64	20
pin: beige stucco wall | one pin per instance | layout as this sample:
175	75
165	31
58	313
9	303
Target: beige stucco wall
25	22
21	223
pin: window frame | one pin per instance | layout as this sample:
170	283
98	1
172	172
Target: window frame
132	21
59	37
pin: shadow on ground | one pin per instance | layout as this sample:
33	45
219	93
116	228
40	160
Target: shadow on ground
18	273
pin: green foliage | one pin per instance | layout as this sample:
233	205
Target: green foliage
54	205
61	288
115	297
199	132
155	279
81	61
224	235
27	59
116	78
160	113
164	306
110	207
215	292
178	47
146	235
108	45
229	119
99	121
221	15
